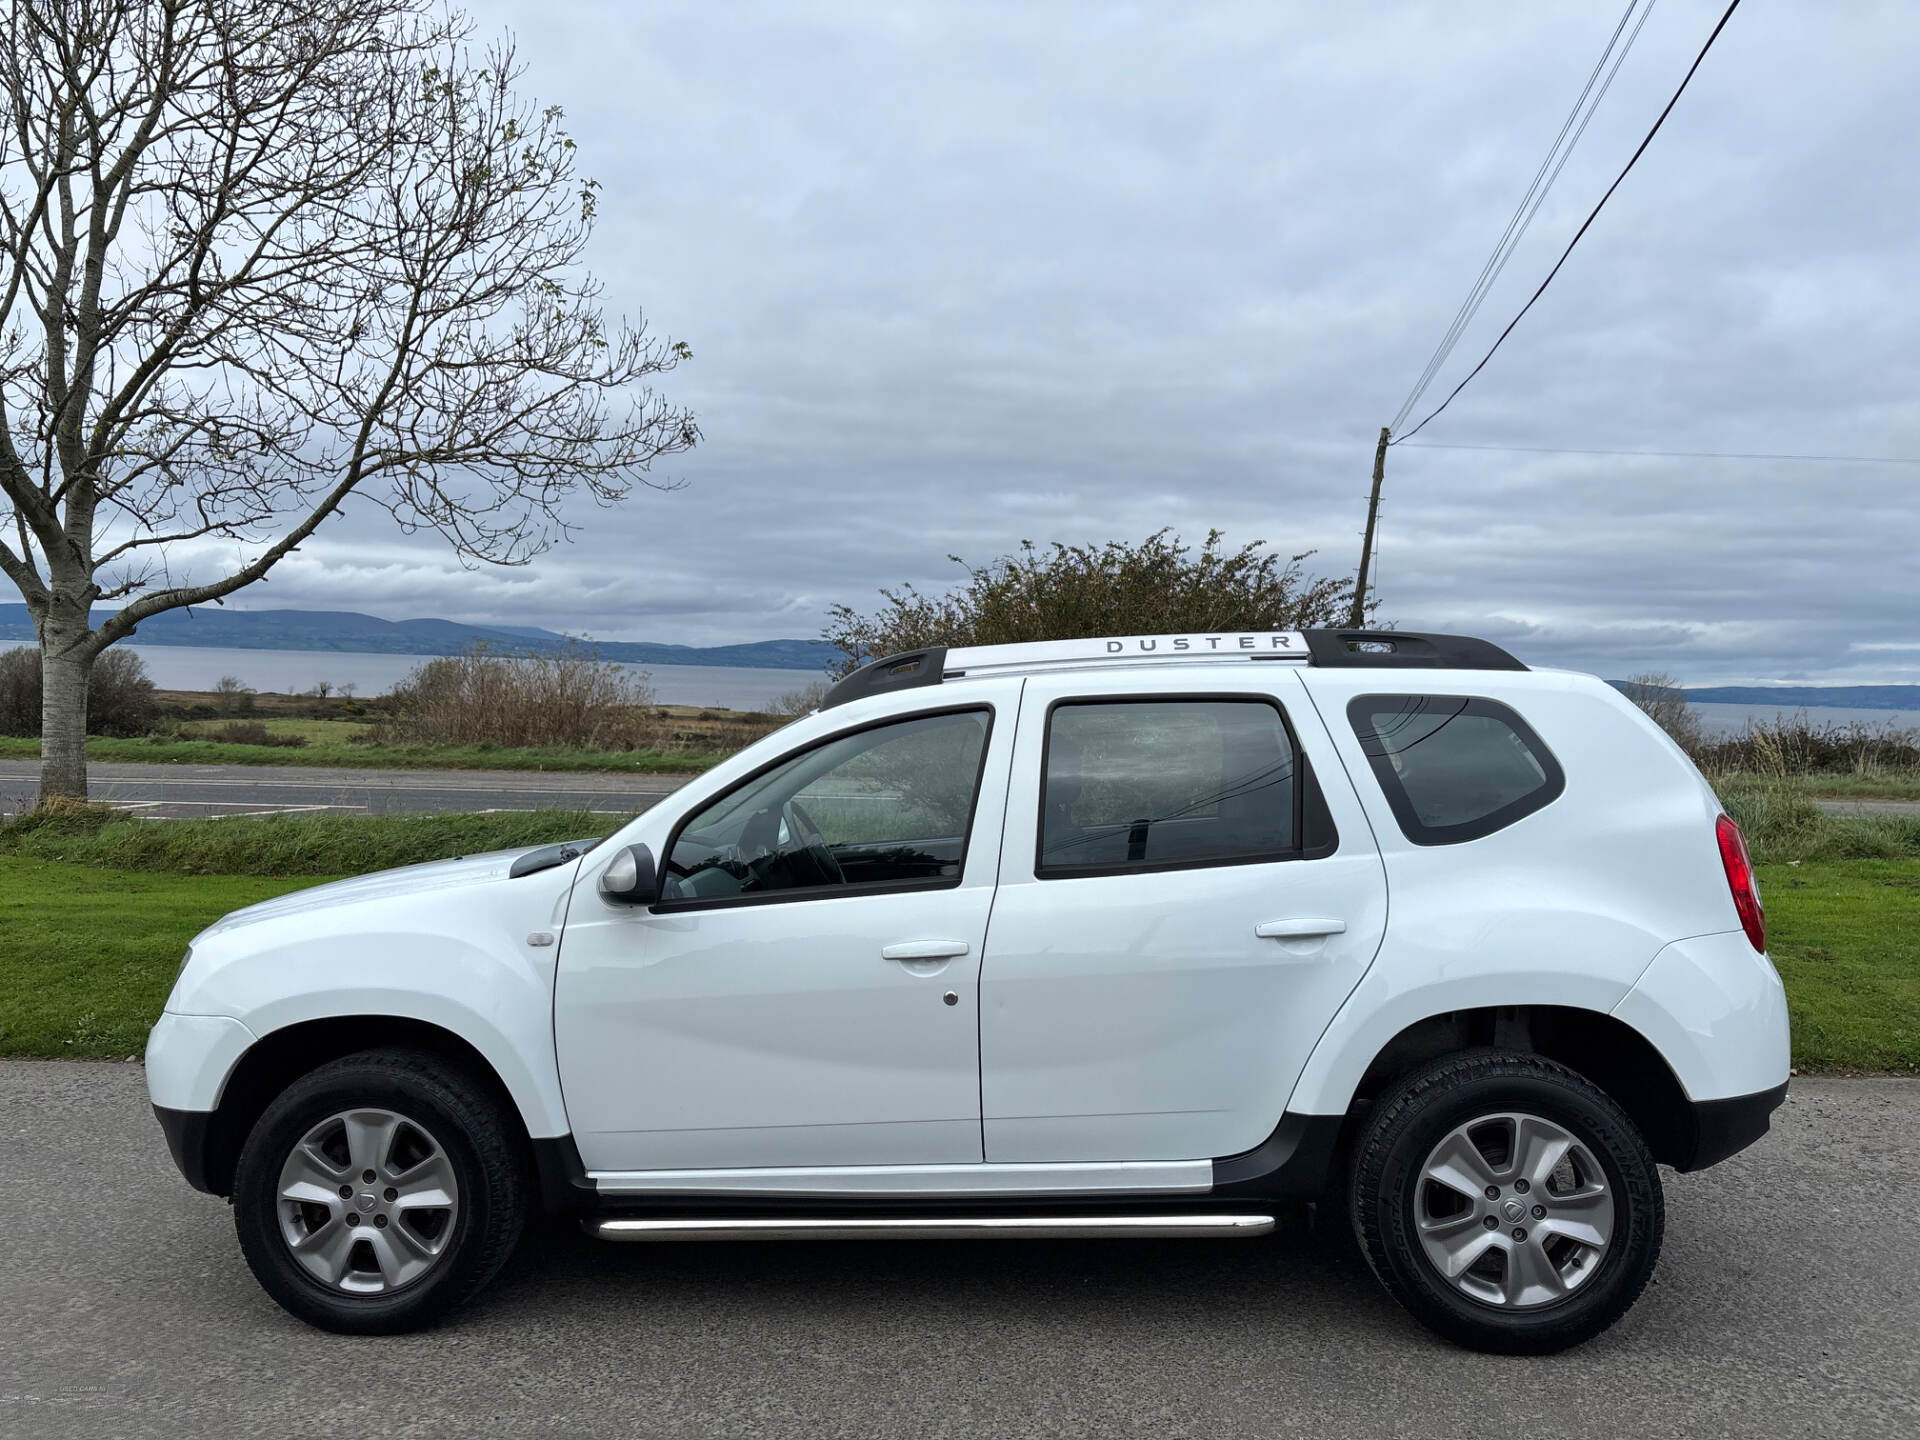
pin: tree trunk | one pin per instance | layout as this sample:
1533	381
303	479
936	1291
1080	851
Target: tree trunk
66	666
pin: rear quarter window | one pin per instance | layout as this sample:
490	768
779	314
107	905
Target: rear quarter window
1454	767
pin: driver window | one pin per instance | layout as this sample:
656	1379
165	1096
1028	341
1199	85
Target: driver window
885	806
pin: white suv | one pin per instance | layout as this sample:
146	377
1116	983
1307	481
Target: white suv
1153	936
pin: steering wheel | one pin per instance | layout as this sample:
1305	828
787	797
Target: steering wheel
801	827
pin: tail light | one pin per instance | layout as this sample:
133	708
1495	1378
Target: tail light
1742	882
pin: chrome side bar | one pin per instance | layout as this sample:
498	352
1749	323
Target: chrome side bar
937	1227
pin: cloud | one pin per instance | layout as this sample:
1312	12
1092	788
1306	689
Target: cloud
958	276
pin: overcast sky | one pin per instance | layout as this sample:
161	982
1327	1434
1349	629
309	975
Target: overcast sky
958	275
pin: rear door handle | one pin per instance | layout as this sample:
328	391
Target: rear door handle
925	950
1306	928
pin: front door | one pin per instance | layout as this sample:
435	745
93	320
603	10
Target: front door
1188	892
805	994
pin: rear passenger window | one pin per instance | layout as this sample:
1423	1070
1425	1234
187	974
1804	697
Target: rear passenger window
1454	767
1164	784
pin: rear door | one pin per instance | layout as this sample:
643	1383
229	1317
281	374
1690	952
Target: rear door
1188	892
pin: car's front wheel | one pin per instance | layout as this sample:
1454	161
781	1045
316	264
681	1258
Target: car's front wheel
379	1191
1507	1202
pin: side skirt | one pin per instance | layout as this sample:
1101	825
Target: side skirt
1291	1166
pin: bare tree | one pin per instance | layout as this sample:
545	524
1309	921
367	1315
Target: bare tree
257	256
1665	703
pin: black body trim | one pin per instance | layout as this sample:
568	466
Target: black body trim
188	1134
1720	1128
905	671
1293	1163
1404	650
564	1186
548	856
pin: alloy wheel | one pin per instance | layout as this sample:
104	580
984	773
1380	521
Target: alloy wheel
367	1201
1514	1211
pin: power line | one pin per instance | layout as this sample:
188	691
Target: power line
1522	217
1565	155
1585	225
1675	454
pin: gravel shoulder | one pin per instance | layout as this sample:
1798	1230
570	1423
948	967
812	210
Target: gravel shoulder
1787	1304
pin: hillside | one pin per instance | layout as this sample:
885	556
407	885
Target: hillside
1811	697
349	632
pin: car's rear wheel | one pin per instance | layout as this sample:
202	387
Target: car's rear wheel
379	1191
1507	1202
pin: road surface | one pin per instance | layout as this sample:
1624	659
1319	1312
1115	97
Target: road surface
1787	1303
172	792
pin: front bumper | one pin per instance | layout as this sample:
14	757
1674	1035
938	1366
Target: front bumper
1720	1128
189	1135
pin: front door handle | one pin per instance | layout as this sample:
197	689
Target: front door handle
1302	929
925	950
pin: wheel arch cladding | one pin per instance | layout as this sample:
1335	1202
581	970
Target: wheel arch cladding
282	1056
1612	1054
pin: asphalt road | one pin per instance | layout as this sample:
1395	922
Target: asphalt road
172	792
1787	1304
175	792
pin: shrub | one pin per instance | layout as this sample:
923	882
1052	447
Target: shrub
1794	745
799	702
251	732
120	699
20	691
567	699
1067	592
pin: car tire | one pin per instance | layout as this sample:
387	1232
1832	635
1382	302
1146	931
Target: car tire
1512	1269
380	1191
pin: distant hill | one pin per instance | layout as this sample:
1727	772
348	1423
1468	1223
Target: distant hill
350	632
1811	697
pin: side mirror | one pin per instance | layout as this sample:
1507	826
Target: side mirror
631	878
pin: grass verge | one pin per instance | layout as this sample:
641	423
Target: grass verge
381	757
87	952
1782	824
1846	939
87	955
283	845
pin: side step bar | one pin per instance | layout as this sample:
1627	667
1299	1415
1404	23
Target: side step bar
937	1227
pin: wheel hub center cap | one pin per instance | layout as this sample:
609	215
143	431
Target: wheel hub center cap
1513	1210
365	1201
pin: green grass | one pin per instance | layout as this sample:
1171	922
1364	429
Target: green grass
284	845
1846	938
336	755
95	912
87	955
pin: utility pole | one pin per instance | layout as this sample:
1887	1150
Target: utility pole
1357	617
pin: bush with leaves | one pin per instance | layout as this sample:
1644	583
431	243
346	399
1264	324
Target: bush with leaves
1068	592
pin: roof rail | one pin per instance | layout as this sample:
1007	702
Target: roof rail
1407	650
1332	649
904	671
